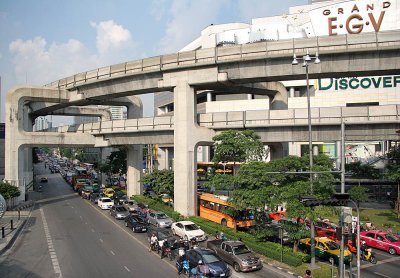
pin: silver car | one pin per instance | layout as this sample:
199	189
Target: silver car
119	212
159	219
130	205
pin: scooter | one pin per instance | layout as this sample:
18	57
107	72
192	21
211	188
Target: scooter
369	256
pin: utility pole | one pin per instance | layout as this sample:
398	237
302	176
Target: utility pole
342	189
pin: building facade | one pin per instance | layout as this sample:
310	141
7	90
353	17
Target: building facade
319	18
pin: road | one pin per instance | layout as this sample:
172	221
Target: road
388	266
67	236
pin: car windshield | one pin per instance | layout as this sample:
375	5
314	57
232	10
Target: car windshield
161	216
106	200
240	249
131	203
391	238
210	258
120	209
332	245
191	227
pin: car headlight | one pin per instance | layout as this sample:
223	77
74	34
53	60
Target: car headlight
213	271
162	223
245	262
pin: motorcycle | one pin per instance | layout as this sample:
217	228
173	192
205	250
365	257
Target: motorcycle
369	256
167	252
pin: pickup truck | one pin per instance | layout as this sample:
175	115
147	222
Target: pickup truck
236	254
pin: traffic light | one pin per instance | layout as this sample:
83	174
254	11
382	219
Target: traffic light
338	199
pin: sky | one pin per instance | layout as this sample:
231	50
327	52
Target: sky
46	40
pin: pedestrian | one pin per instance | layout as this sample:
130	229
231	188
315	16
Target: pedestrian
308	274
216	236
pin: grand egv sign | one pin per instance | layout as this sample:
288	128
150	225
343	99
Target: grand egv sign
354	17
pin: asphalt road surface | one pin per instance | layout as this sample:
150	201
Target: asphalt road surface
67	236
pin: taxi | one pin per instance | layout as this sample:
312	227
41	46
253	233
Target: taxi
326	249
381	240
109	192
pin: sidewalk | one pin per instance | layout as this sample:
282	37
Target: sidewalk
19	219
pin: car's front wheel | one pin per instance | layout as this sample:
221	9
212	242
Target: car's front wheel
392	251
236	267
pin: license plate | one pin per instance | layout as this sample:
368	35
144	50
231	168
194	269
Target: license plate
143	230
222	275
254	266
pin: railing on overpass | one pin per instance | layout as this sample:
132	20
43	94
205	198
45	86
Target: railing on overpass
253	51
248	119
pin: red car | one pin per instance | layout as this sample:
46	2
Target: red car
381	240
277	215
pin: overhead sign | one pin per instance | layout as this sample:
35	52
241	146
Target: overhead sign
354	17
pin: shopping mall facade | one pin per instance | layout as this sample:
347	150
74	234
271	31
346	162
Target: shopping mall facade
321	18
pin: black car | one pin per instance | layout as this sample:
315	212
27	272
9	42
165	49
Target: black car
119	197
217	267
136	224
163	234
94	197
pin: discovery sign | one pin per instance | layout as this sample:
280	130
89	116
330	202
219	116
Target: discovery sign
354	17
359	83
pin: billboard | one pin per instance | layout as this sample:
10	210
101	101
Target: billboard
354	17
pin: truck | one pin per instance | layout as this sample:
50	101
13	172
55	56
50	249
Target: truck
236	253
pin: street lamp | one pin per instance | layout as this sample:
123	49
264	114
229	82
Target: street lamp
358	238
306	60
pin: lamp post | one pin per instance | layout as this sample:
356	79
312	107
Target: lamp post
306	61
358	238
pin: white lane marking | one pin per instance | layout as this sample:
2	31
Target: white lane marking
127	269
85	223
101	240
383	275
112	252
80	216
53	255
92	230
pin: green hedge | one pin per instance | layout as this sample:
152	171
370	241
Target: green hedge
268	249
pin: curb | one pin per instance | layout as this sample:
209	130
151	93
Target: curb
283	270
19	229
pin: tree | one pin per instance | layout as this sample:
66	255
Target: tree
359	194
221	182
238	146
161	181
362	171
259	185
9	191
393	174
115	163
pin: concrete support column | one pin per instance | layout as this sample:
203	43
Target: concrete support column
338	152
291	92
209	97
185	147
315	150
134	170
249	96
104	153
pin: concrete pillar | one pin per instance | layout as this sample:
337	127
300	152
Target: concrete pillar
291	92
249	96
338	152
209	97
185	146
315	150
134	170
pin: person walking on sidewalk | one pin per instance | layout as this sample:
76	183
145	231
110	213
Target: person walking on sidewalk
308	274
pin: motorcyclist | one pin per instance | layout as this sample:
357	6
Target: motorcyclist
153	241
164	247
202	270
363	248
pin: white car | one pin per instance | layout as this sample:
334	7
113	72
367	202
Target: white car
188	230
105	203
